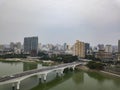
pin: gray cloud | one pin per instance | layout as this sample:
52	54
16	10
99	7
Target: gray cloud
88	20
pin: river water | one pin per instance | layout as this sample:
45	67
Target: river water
79	80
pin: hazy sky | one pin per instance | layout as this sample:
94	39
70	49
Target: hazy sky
59	21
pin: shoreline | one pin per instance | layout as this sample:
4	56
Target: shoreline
112	74
17	60
84	68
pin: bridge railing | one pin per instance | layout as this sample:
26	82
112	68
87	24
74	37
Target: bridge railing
18	75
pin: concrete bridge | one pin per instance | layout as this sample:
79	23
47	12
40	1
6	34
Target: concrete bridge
17	78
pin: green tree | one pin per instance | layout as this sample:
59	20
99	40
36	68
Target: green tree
95	65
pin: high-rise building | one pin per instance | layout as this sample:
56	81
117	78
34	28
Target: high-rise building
87	47
119	46
79	49
31	45
12	45
108	48
115	49
101	47
65	46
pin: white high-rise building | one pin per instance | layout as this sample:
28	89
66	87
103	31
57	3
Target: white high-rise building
108	48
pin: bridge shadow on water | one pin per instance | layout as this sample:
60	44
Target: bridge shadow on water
59	80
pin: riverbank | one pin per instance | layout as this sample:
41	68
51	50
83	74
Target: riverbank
24	60
85	68
112	74
17	60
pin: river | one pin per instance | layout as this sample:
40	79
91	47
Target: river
79	80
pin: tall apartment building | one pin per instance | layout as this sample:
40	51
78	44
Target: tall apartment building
65	46
79	49
87	48
31	45
108	48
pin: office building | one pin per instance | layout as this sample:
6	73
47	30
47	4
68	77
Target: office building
31	45
87	47
65	46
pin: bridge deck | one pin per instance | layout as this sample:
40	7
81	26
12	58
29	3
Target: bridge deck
15	76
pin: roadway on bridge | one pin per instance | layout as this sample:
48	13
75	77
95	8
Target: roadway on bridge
14	76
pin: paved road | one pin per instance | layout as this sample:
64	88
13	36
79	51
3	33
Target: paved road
15	76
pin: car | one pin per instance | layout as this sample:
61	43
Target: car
55	66
11	76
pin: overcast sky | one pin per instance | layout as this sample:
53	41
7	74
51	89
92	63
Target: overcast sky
59	21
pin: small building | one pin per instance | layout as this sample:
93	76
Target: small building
102	55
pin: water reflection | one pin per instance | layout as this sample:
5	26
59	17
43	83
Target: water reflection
71	81
78	78
56	81
29	66
100	78
117	82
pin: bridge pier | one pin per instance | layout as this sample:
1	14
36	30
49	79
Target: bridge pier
57	74
41	72
73	67
40	78
61	72
18	85
45	77
13	86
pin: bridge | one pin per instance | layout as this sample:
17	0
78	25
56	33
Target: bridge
17	78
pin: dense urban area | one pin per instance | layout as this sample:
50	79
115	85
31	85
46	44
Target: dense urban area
59	44
102	56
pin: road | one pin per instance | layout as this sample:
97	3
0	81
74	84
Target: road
15	76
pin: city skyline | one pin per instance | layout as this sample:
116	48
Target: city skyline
92	21
55	44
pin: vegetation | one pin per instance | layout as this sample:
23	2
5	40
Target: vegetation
58	58
43	56
92	57
95	65
64	58
7	61
13	56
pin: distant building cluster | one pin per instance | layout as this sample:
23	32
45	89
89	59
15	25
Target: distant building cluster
81	49
12	48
